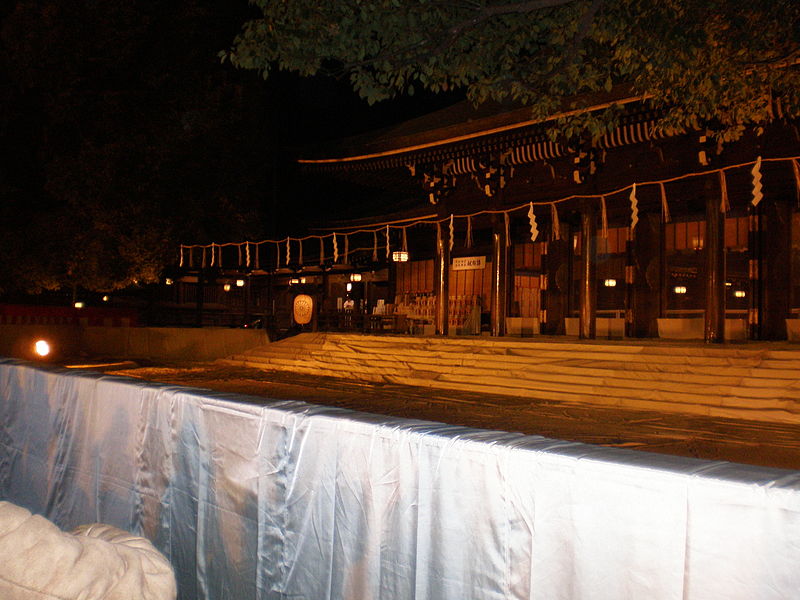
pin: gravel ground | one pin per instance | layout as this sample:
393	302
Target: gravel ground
753	442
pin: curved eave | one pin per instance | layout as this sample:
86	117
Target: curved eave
454	134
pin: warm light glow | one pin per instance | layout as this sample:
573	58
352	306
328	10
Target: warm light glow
610	282
227	287
168	281
302	280
240	283
400	256
349	287
355	277
105	298
42	348
679	289
740	293
78	305
294	281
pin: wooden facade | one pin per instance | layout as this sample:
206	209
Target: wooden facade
642	234
699	252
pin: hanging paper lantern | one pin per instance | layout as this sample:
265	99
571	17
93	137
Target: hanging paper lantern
303	309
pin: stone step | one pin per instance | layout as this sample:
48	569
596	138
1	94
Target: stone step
711	374
606	379
757	383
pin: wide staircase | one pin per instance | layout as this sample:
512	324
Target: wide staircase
747	382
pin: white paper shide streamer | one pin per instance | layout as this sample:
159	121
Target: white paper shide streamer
532	221
756	173
335	249
288	251
634	208
452	234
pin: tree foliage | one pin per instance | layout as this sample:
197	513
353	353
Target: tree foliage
726	64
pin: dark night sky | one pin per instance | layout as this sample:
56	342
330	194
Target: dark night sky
108	101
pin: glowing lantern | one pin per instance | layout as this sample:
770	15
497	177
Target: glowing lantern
303	309
42	348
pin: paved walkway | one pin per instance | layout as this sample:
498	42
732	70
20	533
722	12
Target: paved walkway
754	442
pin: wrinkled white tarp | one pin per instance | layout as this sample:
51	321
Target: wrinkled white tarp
293	501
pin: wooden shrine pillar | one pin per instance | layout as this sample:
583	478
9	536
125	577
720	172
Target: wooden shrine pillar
715	270
500	287
441	280
556	290
775	273
645	278
199	298
587	309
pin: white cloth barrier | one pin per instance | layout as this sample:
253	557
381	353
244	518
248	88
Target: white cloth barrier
294	501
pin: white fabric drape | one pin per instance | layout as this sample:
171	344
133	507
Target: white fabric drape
292	500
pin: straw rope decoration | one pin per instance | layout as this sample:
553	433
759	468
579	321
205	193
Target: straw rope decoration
247	253
405	240
555	225
375	246
757	196
388	250
506	224
603	217
321	250
300	252
724	202
664	205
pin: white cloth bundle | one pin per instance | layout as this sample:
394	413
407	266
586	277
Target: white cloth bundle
38	561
